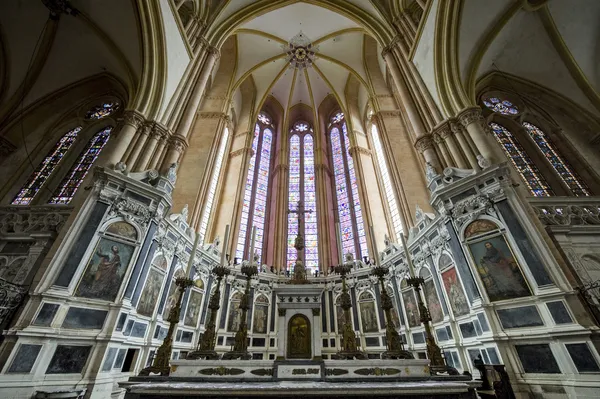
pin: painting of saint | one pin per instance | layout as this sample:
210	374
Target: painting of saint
433	302
260	316
235	313
105	270
368	317
193	309
454	290
412	310
498	270
341	318
395	318
172	296
122	229
149	296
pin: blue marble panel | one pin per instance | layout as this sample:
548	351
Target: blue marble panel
462	264
110	359
559	312
163	298
80	245
128	327
483	322
537	358
147	255
436	282
379	308
46	315
206	300
583	358
331	313
524	316
121	322
89	319
493	355
467	330
120	358
442	334
25	358
354	306
186	336
529	253
418	338
68	359
225	305
139	330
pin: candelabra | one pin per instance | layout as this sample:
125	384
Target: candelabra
206	346
240	345
163	354
437	364
395	347
349	348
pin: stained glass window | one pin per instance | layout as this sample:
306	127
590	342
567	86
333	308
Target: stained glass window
254	207
71	182
45	168
387	183
302	187
337	118
560	165
212	189
503	107
102	110
346	189
516	154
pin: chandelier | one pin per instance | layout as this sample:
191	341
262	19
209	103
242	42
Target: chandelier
300	53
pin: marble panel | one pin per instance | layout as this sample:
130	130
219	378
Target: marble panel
524	316
583	358
90	319
139	330
559	312
25	358
120	358
537	358
467	330
68	359
110	359
462	265
46	315
142	264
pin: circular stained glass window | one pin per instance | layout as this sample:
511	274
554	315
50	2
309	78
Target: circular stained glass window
500	106
301	127
264	119
337	117
102	110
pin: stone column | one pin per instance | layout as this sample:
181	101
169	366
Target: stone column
156	134
458	131
409	105
142	135
473	122
445	132
441	145
120	144
193	104
160	149
175	147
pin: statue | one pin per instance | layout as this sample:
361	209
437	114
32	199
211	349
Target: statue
419	213
184	213
386	240
172	173
483	162
120	167
430	172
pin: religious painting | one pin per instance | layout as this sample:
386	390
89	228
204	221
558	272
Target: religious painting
433	302
235	314
412	310
298	339
341	318
105	270
498	269
454	290
260	315
173	293
161	262
367	313
150	294
193	309
122	229
479	227
395	318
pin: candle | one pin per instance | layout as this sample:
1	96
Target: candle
192	255
252	245
375	246
225	242
411	268
338	233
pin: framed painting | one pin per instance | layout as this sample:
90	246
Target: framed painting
498	269
193	309
105	270
149	297
260	315
368	317
455	292
412	310
433	302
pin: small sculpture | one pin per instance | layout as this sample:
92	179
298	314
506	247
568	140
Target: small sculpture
483	162
172	173
386	240
184	213
430	172
120	167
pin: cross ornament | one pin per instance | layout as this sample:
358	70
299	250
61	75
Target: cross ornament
300	211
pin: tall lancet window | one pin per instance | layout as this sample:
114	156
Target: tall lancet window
564	170
214	180
71	182
387	183
254	207
346	190
302	189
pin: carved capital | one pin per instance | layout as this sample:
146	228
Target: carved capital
281	312
178	143
387	49
424	143
132	118
316	311
470	115
213	51
159	132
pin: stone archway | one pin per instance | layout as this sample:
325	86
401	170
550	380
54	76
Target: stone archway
299	344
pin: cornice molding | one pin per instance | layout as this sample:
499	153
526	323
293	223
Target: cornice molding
360	150
389	113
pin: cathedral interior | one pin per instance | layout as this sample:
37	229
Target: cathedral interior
295	182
